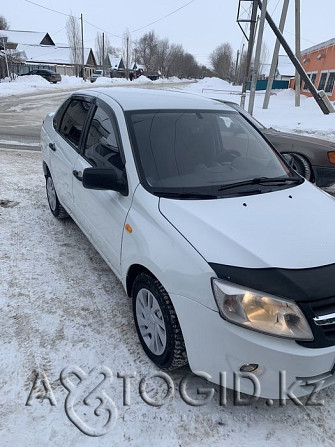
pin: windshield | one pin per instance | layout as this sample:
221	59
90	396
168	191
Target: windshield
200	151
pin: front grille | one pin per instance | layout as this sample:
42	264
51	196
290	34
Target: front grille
323	329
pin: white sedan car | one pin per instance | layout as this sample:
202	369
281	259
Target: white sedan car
209	229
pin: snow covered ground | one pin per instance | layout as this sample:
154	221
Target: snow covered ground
62	307
34	83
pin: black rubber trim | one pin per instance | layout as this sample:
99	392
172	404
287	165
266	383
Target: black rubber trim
323	335
301	285
324	176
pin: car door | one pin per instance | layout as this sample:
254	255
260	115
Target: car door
101	213
69	124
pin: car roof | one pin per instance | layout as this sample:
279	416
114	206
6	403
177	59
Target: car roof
148	99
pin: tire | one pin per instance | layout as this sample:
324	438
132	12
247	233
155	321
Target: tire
54	204
302	166
157	324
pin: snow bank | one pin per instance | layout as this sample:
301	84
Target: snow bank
72	81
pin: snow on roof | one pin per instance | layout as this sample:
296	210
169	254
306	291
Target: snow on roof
114	61
24	37
51	54
285	66
319	46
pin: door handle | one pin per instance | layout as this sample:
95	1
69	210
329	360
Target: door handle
78	175
52	146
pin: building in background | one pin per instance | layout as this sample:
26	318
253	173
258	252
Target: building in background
38	50
319	63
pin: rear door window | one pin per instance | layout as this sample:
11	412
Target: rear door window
72	124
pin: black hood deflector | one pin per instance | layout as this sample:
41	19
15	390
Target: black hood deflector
302	285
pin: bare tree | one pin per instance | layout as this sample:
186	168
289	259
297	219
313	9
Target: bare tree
3	23
146	51
173	59
158	55
74	41
99	48
109	49
162	56
222	61
241	69
127	51
264	59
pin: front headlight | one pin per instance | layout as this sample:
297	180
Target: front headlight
260	312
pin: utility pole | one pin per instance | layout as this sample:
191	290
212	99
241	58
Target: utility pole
6	59
275	56
257	58
240	64
297	51
236	65
127	57
249	53
103	54
309	84
82	47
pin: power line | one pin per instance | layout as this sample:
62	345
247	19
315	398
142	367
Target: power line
164	17
107	32
114	35
49	9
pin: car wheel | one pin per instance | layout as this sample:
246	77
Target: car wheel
302	166
157	324
55	207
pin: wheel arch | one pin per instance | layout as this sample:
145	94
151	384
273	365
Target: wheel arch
133	271
306	164
45	169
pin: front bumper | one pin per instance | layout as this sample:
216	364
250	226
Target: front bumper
215	346
324	176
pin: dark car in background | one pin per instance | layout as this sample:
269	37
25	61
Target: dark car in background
313	158
49	75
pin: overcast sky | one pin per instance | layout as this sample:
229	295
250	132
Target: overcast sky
199	27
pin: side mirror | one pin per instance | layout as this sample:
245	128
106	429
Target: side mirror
112	179
289	159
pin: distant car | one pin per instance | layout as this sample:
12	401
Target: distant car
313	158
96	74
49	75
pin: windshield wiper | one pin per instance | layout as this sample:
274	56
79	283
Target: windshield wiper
262	181
186	195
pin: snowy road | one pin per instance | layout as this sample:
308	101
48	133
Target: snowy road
21	115
61	306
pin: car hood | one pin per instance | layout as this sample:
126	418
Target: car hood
300	139
291	228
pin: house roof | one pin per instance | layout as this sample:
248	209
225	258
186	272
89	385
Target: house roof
319	46
285	66
38	47
51	54
27	37
114	61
